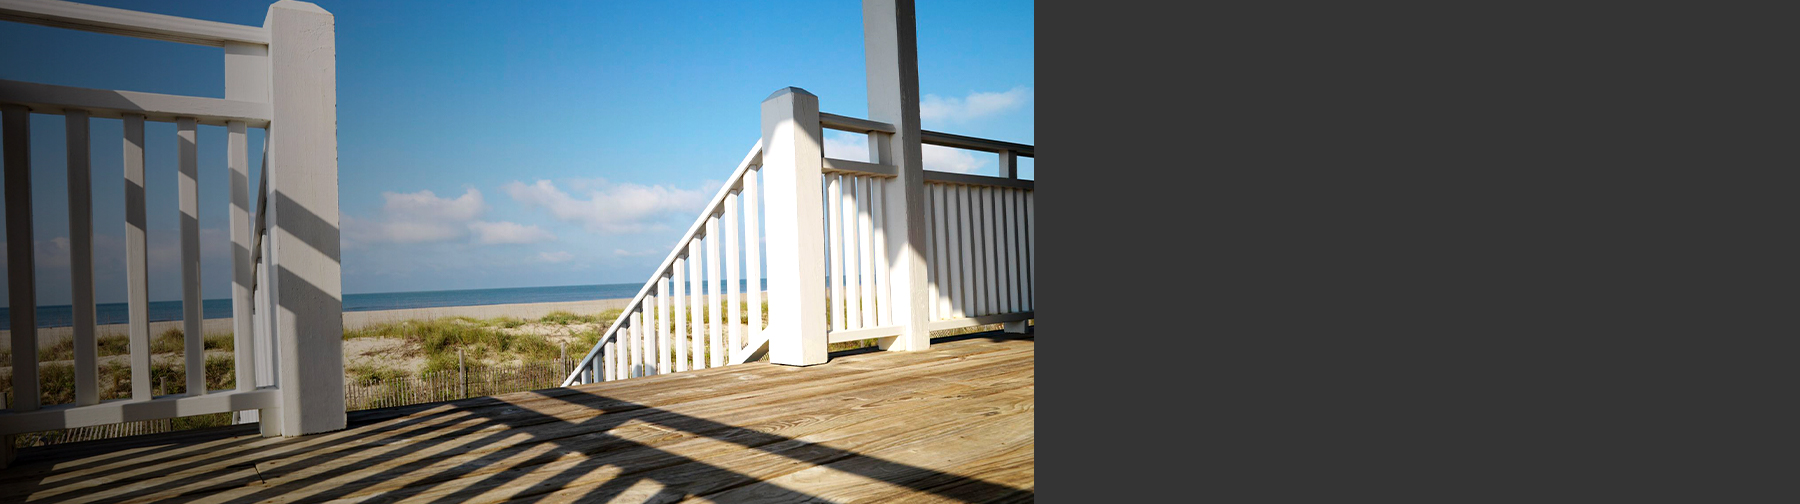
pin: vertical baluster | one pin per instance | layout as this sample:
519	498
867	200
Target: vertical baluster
696	303
884	312
651	348
1030	252
967	215
979	240
941	269
637	343
835	254
715	349
988	240
662	324
852	279
1010	230
237	160
957	263
81	257
680	316
611	356
21	266
188	185
866	250
733	280
931	251
753	248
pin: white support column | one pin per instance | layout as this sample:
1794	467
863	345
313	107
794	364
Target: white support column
246	79
306	277
891	55
81	257
137	284
21	268
792	168
188	192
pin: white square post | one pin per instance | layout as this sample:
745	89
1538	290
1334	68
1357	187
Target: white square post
793	165
305	280
891	55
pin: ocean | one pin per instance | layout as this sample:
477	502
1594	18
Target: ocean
118	313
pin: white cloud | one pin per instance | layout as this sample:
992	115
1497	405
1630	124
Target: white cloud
854	147
949	159
415	218
556	257
934	108
491	233
847	146
608	207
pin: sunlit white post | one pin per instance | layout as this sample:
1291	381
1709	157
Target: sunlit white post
792	168
891	56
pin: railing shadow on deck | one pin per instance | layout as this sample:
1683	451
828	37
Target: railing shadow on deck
487	413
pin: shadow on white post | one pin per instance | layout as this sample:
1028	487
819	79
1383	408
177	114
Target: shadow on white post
305	280
793	164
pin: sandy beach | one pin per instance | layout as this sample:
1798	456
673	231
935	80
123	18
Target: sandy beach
359	319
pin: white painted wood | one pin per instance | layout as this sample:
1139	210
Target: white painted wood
696	303
941	247
865	251
21	265
972	143
753	158
1031	251
112	104
991	278
887	331
680	284
884	309
834	195
978	180
130	23
791	171
1009	228
834	166
247	80
998	318
612	361
637	345
1009	164
663	358
931	250
137	271
852	124
188	200
68	416
733	280
954	263
652	351
237	160
753	253
305	276
715	349
891	55
978	240
81	256
852	257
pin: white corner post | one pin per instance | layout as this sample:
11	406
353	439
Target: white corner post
305	282
793	164
246	79
891	53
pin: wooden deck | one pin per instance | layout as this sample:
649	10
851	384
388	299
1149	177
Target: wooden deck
952	424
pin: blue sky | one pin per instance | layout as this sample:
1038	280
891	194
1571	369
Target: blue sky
512	144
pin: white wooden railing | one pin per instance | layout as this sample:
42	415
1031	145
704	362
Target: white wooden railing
831	249
286	287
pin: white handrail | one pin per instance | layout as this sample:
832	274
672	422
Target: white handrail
112	104
94	18
734	183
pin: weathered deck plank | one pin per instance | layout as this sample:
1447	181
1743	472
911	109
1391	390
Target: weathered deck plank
952	424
